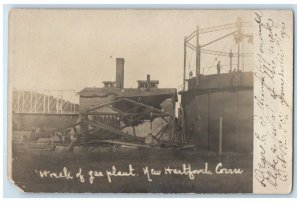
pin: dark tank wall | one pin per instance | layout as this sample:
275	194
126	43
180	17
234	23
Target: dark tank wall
231	105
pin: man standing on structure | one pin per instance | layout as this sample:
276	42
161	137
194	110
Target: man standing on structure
219	67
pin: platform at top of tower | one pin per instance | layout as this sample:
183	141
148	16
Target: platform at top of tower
220	81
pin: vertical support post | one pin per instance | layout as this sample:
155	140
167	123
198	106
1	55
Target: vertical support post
221	135
238	57
57	105
162	138
61	102
31	102
185	138
199	47
74	105
173	129
133	129
230	58
180	117
208	117
44	103
236	111
35	100
18	101
236	120
239	39
197	53
48	103
184	63
84	126
23	100
243	56
161	129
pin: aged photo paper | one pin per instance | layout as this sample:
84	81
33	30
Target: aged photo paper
151	101
273	102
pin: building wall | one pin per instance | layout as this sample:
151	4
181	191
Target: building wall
87	102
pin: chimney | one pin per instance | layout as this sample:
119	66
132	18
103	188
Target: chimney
120	72
148	84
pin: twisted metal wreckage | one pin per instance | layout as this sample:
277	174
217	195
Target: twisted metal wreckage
97	127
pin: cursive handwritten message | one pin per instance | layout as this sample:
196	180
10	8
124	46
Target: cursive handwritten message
149	173
273	81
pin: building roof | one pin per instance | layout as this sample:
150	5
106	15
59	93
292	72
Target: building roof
127	92
151	81
109	82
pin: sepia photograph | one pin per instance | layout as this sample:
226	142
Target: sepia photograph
150	101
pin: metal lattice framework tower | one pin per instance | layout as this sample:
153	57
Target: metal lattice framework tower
45	101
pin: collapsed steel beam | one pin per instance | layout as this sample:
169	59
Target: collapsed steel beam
147	106
111	129
86	111
124	143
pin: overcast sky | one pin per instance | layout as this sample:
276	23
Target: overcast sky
73	49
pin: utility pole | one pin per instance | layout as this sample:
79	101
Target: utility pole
184	63
239	39
197	53
230	57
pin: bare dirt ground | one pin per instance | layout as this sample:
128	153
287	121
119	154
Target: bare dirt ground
26	162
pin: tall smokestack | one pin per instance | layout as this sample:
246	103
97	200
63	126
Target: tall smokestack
120	72
148	83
